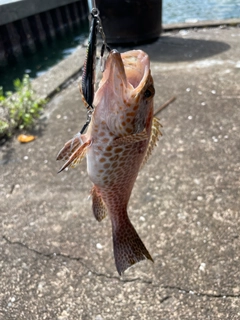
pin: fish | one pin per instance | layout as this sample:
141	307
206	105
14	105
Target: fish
118	142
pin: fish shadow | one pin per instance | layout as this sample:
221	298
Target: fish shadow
175	49
7	152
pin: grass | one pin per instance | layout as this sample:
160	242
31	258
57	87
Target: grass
20	109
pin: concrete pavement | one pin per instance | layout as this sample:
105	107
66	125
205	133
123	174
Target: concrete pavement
56	261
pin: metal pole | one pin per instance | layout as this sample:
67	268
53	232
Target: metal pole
91	5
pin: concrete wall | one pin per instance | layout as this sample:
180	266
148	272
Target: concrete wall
18	9
28	22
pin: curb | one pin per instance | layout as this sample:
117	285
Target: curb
201	24
48	84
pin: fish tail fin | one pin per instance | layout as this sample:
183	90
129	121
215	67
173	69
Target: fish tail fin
128	247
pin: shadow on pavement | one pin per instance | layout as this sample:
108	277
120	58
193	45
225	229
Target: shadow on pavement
7	154
171	49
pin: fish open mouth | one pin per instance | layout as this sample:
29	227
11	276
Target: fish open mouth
128	70
136	66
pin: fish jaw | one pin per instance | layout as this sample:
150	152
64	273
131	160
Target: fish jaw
120	99
113	80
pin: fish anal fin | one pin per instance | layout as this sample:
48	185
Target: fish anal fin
154	137
77	156
132	138
98	206
128	247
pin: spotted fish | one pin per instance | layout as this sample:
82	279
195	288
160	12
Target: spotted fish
118	141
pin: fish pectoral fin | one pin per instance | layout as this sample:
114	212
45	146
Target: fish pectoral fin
70	147
154	137
77	156
98	205
132	138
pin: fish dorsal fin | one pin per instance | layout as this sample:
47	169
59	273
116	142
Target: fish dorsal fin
155	134
98	206
73	152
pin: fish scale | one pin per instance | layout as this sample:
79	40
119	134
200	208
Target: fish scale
118	141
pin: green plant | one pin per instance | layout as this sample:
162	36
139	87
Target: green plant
21	107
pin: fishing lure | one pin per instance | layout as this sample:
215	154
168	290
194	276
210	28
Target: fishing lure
88	76
89	69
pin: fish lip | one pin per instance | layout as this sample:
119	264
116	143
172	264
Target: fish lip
116	66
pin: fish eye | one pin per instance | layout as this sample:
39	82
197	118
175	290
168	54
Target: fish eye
149	92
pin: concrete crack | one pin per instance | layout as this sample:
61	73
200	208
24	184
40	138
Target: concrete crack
48	255
120	279
164	299
202	294
78	259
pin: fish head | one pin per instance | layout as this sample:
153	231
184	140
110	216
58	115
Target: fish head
124	98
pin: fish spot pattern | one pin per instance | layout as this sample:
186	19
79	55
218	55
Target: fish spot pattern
119	141
121	152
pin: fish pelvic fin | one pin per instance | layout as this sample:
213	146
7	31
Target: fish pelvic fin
128	247
98	205
75	156
154	137
132	138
